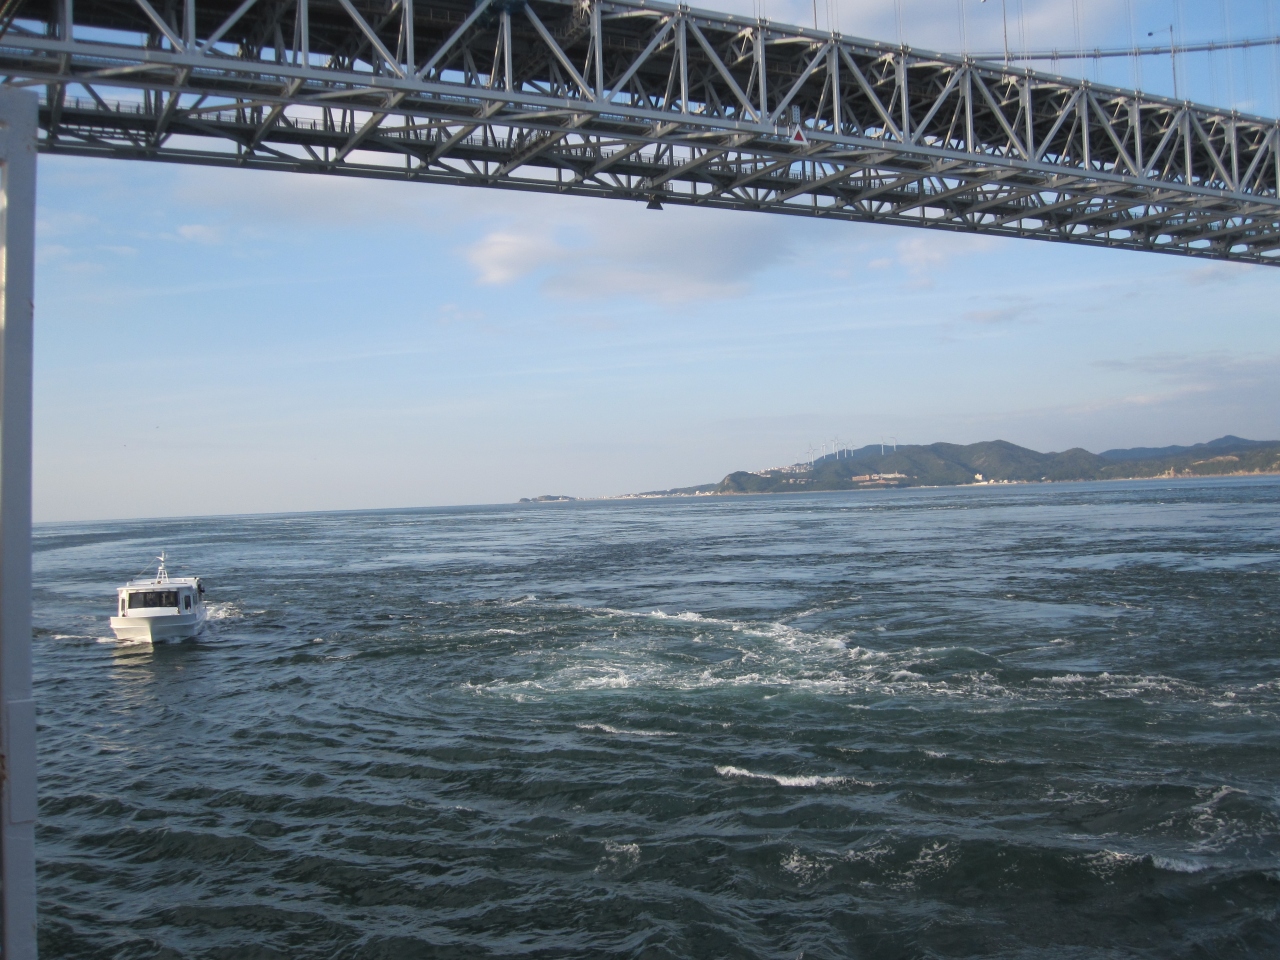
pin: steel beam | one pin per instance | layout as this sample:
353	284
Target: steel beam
621	98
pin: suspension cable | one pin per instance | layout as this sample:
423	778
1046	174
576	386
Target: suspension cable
1163	50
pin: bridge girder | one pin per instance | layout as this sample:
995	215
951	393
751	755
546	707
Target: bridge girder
636	100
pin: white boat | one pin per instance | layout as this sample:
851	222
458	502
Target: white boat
160	608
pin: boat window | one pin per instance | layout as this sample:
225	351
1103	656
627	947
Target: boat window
186	600
153	598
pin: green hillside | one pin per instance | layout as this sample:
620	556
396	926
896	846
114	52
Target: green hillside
949	464
1260	458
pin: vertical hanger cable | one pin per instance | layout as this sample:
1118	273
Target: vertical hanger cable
1225	13
1275	61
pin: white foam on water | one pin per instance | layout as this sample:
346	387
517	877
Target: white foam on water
935	853
1119	685
635	653
226	610
606	728
871	854
1219	830
785	781
769	629
618	857
1222	791
685	616
804	868
934	858
1106	863
807	613
1174	865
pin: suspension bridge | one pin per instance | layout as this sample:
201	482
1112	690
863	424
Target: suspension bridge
629	99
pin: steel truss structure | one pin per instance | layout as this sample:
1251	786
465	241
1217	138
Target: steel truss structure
646	101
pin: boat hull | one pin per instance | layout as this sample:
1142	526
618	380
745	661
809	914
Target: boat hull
158	629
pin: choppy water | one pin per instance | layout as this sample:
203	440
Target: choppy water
1022	722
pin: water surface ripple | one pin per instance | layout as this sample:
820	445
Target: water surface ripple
1037	721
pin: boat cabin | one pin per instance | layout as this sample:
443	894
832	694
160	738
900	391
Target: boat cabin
178	598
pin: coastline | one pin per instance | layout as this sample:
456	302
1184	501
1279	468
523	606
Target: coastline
922	486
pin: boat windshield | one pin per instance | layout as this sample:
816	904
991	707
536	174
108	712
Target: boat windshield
153	598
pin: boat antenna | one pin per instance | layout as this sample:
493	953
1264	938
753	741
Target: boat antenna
162	575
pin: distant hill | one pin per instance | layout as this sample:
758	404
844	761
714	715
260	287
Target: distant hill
997	461
993	461
1227	444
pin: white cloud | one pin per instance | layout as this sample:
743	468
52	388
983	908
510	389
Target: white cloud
199	233
505	256
1209	273
993	316
923	253
608	251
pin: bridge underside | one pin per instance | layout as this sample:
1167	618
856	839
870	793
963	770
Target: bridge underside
643	101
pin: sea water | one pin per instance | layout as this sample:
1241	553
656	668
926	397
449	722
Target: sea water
1030	721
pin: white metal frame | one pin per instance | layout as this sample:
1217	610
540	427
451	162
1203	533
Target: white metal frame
642	100
17	707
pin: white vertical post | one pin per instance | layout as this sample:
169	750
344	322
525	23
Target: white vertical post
506	48
410	50
682	52
760	52
304	28
597	40
17	708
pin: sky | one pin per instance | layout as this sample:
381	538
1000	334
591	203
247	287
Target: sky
215	341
